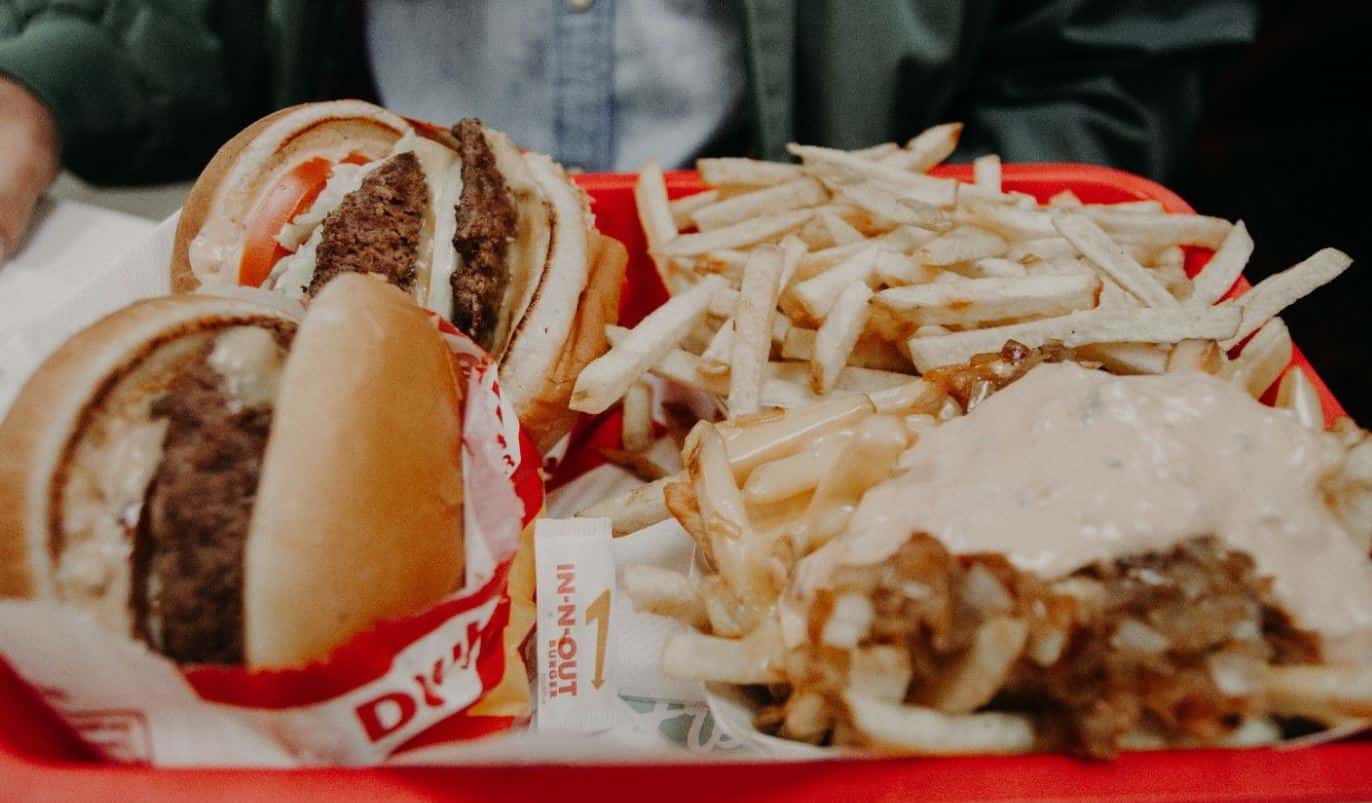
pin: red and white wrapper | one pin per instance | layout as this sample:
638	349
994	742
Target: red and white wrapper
447	675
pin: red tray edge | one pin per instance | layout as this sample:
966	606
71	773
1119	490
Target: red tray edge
1329	772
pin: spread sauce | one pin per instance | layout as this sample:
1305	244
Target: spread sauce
1070	466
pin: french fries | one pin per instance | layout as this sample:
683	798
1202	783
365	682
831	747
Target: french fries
604	380
749	232
816	295
837	337
986	172
979	673
1224	268
1281	290
684	208
1108	257
659	225
801	192
1078	329
663	592
976	301
1297	394
745	172
752	326
963	244
1263	359
637	435
807	299
927	148
924	731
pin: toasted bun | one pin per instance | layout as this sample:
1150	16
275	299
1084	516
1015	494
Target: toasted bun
251	163
54	431
359	510
563	327
358	515
546	415
544	336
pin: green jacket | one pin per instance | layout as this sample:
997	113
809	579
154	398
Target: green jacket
144	90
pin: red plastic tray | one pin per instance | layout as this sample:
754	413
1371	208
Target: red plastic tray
41	760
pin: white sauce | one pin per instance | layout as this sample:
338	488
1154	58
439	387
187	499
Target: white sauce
1069	466
293	273
92	567
345	178
251	362
445	257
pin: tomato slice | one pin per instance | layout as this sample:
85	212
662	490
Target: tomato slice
295	193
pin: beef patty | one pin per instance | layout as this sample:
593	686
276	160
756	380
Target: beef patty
376	228
486	220
188	561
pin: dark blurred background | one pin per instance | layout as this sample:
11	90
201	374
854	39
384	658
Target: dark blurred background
1284	145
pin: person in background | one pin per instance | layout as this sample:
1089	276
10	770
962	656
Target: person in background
131	91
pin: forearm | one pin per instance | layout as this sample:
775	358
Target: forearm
133	86
29	162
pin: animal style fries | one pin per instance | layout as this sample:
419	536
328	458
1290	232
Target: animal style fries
846	629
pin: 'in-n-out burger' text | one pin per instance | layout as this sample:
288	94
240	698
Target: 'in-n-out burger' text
562	673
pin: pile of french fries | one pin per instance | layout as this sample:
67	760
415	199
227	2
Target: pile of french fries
854	270
809	299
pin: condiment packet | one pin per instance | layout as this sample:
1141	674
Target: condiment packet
576	583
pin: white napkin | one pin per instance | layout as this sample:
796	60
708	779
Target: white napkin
39	311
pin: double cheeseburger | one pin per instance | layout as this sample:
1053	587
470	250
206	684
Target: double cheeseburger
498	241
231	486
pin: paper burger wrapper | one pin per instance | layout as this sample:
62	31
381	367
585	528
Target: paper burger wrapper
447	675
135	707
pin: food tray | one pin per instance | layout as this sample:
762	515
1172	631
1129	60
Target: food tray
40	759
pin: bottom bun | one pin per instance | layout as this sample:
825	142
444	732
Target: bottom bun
545	414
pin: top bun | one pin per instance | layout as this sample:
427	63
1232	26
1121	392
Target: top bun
255	160
359	510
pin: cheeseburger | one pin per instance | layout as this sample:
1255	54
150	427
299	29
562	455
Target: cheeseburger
498	241
232	486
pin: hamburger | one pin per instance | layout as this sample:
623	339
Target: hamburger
499	242
232	486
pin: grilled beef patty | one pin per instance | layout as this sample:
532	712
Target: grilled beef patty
376	228
486	220
188	562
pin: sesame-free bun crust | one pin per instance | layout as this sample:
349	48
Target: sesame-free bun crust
563	328
250	164
359	510
545	414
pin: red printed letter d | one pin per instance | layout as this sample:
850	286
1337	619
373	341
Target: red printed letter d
386	714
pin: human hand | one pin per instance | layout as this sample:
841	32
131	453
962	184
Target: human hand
28	160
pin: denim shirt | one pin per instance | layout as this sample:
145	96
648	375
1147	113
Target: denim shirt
599	84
